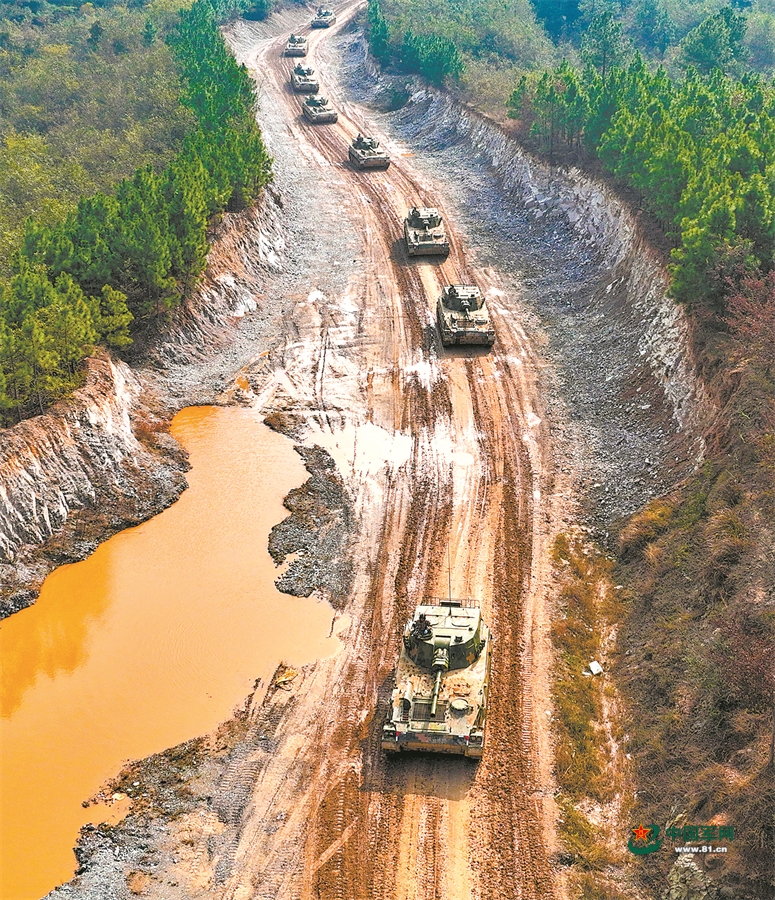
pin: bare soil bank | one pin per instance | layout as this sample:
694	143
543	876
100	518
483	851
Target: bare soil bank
103	460
93	465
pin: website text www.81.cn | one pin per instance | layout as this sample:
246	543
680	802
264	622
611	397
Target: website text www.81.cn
705	848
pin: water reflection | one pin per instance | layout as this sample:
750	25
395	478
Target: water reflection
152	640
51	644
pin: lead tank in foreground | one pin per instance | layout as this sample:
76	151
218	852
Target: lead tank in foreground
463	316
424	232
439	704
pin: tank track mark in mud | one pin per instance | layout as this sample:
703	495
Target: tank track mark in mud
297	45
463	317
424	232
368	153
439	704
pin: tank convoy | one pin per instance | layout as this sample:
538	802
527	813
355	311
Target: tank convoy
439	704
424	232
304	80
297	45
463	316
368	153
318	110
324	18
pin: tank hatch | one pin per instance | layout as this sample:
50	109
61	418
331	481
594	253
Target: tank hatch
445	636
424	217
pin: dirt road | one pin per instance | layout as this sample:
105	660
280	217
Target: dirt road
440	450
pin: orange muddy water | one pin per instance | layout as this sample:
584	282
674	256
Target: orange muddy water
152	640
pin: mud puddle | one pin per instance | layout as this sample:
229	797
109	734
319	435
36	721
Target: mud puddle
152	640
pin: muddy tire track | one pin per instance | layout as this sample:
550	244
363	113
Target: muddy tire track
371	826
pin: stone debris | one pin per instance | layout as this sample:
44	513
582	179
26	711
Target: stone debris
687	881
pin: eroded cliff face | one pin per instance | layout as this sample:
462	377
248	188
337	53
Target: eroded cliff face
246	248
93	464
103	459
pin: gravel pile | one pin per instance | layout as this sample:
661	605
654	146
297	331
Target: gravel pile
316	533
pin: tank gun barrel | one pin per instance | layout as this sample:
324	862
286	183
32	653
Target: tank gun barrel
436	689
440	665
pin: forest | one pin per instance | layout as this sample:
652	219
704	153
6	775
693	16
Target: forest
119	259
66	130
500	40
698	152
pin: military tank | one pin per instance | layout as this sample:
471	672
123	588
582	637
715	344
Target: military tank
368	153
424	232
324	18
318	110
304	80
439	704
463	317
297	45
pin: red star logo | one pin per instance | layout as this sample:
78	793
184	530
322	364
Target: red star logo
641	833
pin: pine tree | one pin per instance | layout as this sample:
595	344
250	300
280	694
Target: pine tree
6	401
716	43
112	317
41	361
603	44
379	33
16	368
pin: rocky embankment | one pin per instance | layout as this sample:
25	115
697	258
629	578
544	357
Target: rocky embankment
103	459
619	347
94	464
316	532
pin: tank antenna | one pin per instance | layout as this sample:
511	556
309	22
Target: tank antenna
449	575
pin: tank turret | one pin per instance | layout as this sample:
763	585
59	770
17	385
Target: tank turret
463	316
439	703
424	232
368	153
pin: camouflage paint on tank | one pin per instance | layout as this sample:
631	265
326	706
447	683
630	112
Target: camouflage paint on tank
424	232
368	153
297	45
319	110
304	80
324	18
439	703
463	316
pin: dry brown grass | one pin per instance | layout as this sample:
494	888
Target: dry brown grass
645	527
582	765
